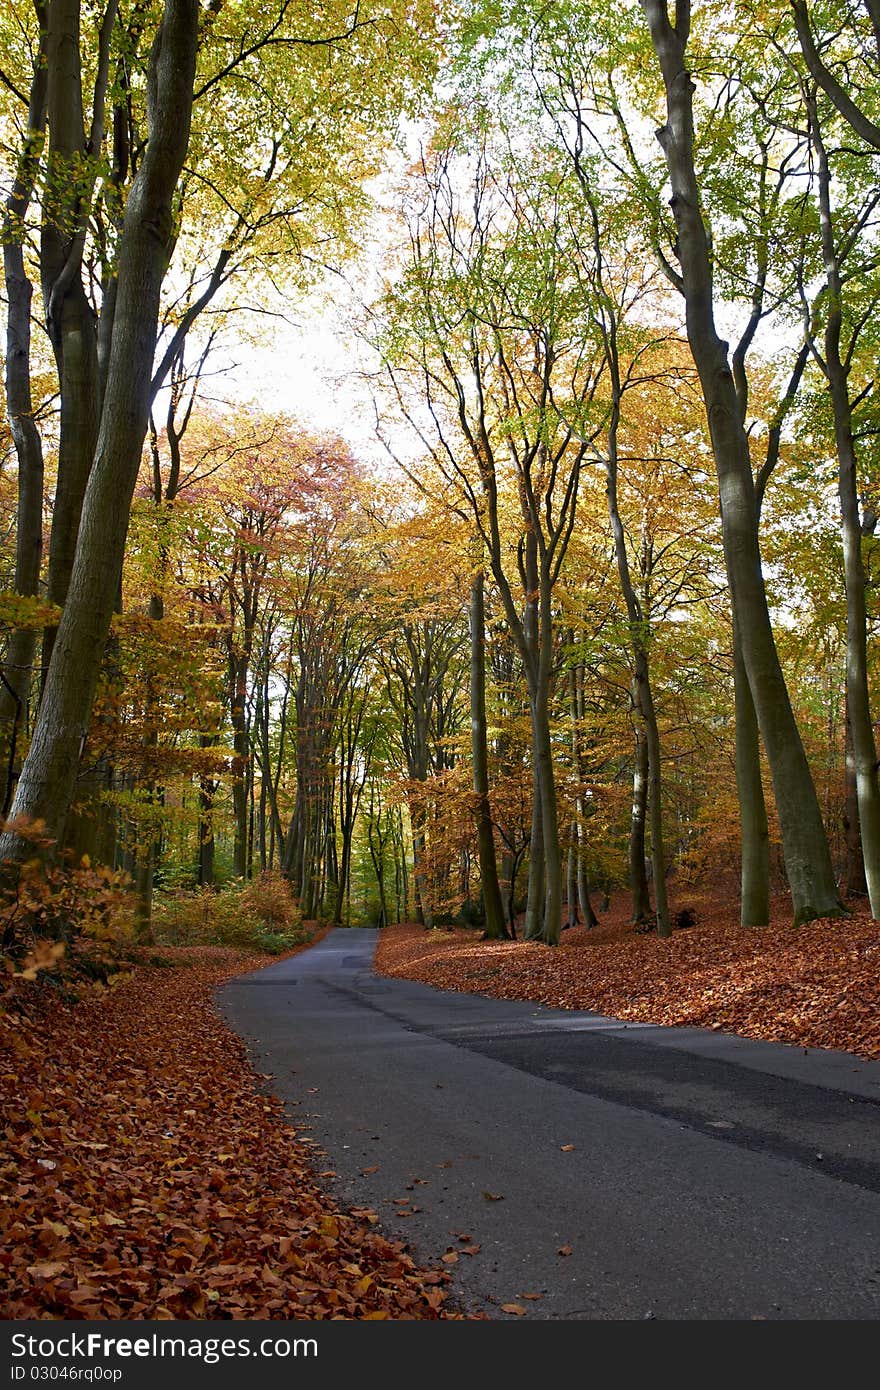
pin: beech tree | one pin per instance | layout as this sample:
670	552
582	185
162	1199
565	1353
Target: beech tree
491	304
117	202
814	891
47	778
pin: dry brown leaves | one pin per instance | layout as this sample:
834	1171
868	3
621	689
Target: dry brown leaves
145	1175
816	985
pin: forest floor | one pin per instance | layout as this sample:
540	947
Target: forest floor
816	986
146	1174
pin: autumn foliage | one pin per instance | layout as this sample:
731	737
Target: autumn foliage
816	985
146	1174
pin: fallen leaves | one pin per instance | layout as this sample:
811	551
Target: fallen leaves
515	1308
817	985
146	1175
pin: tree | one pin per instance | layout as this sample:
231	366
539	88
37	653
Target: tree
492	906
118	204
808	862
47	779
489	317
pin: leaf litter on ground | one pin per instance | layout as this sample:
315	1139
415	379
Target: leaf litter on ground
816	985
145	1174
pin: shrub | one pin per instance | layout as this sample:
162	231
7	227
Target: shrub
261	915
62	901
72	920
269	898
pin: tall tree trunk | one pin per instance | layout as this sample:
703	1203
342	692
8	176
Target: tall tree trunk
70	319
424	905
494	912
576	705
47	778
238	716
583	885
854	864
18	666
571	902
858	698
207	788
533	927
552	848
638	878
544	907
404	871
754	831
655	796
807	857
506	884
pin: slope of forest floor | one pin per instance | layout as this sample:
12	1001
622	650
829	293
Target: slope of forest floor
816	985
145	1174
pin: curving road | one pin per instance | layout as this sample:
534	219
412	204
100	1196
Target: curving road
690	1174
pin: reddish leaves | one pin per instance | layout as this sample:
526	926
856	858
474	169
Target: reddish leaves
816	985
148	1177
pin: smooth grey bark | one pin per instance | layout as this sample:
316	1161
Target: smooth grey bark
638	878
856	884
824	77
807	858
835	366
47	779
754	830
655	795
18	664
71	320
533	926
495	927
571	908
585	902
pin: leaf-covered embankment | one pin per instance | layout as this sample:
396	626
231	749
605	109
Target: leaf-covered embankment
817	985
145	1174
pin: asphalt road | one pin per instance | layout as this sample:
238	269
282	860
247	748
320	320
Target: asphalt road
690	1174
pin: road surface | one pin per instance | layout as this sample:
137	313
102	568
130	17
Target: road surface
690	1174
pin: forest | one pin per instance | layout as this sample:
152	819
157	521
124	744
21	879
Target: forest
570	611
595	611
